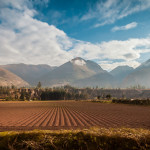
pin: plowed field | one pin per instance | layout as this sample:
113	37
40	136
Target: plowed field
71	115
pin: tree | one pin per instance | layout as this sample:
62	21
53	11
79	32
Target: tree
98	97
13	87
22	96
108	96
39	85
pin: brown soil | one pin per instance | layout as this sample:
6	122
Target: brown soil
71	115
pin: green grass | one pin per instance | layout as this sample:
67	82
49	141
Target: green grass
87	139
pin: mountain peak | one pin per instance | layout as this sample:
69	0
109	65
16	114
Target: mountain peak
77	58
78	61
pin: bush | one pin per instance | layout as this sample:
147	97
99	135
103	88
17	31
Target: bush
135	102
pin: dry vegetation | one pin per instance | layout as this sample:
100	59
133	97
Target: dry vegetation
87	139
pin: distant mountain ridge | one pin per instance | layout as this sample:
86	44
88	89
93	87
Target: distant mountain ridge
7	78
140	76
145	64
29	73
121	72
78	72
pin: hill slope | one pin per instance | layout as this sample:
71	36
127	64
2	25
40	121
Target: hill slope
8	79
29	73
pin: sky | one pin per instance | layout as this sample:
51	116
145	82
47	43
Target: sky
110	32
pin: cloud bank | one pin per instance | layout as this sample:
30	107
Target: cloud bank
24	39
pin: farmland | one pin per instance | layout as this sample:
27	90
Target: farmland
57	115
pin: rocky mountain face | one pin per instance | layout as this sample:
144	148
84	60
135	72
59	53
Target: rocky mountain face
29	73
7	78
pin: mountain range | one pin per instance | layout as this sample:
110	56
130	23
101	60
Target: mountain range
77	72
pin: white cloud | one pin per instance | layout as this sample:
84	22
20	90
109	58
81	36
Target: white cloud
125	50
28	40
24	39
128	51
126	27
109	11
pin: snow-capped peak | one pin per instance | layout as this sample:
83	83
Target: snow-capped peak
78	61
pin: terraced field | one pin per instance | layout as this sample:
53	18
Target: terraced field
71	115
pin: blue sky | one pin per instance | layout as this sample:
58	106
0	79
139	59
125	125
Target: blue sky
109	32
67	16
